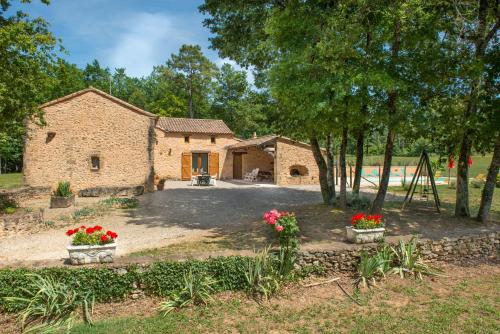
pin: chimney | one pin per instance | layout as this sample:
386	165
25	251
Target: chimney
254	135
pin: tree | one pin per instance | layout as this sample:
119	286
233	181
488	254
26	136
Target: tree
27	50
194	73
66	78
98	77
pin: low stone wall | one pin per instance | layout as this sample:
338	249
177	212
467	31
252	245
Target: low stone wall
24	194
21	222
111	191
446	249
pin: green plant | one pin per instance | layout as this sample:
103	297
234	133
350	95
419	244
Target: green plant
385	256
7	205
311	269
357	202
49	305
84	212
91	236
408	260
50	223
368	269
197	290
261	276
362	221
63	189
120	202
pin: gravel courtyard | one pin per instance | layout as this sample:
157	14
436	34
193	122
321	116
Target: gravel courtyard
179	213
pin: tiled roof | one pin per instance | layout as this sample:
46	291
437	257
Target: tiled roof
259	141
191	125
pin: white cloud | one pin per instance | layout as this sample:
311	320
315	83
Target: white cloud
147	40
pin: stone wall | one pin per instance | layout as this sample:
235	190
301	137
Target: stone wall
170	146
21	222
84	125
24	194
291	154
446	249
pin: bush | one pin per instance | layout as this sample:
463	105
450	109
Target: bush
63	189
104	284
162	278
120	202
263	280
84	212
409	262
49	305
196	290
7	205
357	202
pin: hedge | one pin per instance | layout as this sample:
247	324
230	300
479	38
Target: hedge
107	284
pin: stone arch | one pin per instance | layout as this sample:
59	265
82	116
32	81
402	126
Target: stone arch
298	170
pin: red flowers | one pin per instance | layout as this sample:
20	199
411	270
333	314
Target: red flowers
91	235
451	162
469	161
363	221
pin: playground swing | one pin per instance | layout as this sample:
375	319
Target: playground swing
427	187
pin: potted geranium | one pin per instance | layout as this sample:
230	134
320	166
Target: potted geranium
62	197
91	245
365	228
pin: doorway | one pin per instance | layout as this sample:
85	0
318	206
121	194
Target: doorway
237	166
199	164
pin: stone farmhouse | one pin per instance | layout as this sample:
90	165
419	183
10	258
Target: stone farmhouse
95	140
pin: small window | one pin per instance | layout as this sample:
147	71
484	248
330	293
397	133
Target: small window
186	139
212	140
50	136
95	163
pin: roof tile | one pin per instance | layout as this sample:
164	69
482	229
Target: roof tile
191	125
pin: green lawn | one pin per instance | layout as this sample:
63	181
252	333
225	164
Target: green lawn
401	306
480	163
447	197
12	180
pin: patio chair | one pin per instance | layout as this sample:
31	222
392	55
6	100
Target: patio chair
194	180
213	180
252	176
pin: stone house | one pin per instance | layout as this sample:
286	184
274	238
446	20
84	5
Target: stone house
95	140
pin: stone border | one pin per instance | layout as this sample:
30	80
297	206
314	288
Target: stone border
446	250
21	222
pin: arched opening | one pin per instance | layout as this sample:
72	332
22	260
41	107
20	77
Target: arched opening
298	170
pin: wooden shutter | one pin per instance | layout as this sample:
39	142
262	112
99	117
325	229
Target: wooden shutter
213	164
186	166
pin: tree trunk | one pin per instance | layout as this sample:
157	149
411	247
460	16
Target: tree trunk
462	193
343	171
323	170
330	169
378	203
191	111
359	161
489	187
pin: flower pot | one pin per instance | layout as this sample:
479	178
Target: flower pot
91	254
61	202
364	236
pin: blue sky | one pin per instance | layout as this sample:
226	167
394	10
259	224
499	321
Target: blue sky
124	33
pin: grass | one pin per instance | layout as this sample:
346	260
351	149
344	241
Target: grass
12	180
396	306
447	197
480	163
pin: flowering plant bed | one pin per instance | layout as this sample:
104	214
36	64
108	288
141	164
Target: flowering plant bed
91	245
365	228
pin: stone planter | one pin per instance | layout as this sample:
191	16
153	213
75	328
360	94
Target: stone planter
364	236
91	254
61	202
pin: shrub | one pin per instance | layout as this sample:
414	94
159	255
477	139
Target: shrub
84	212
357	202
164	277
287	230
49	305
7	205
368	269
385	256
197	290
261	277
120	202
91	236
497	182
409	261
362	221
63	189
478	181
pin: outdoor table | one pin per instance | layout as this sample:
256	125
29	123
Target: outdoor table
203	180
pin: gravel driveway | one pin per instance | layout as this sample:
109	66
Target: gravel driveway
178	213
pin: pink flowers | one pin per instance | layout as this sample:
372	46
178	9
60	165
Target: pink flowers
273	217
